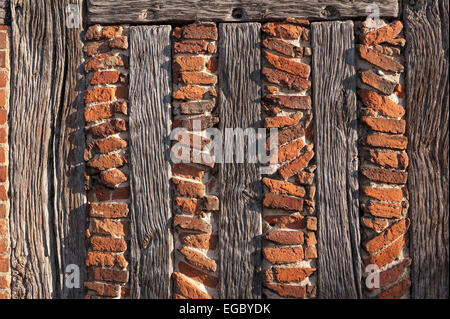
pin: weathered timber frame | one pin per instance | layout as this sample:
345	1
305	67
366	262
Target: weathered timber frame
46	158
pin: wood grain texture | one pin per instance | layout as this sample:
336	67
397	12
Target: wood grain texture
333	74
4	12
149	119
240	224
46	169
145	11
427	90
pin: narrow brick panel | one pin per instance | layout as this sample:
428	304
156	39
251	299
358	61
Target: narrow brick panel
286	67
107	171
383	161
5	250
194	85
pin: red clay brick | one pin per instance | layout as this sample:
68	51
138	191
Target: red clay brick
374	224
103	289
105	77
120	42
384	175
98	112
386	193
387	255
187	288
289	275
288	101
111	127
198	259
197	107
94	258
191	206
282	187
113	178
3	173
4	263
97	47
384	125
283	202
212	65
200	31
104	61
387	236
281	121
190	189
382	61
286	221
191	223
381	104
106	161
192	47
296	165
4	282
286	80
99	243
285	237
287	291
200	241
200	78
382	34
391	275
108	210
378	82
109	32
383	209
110	144
283	255
384	140
197	275
189	63
288	65
112	275
397	291
101	94
110	227
282	47
189	92
288	152
282	30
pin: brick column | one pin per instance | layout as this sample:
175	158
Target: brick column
195	201
289	245
107	170
5	271
383	157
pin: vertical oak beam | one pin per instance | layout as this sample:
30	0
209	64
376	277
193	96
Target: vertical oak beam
427	90
334	100
149	120
240	225
46	169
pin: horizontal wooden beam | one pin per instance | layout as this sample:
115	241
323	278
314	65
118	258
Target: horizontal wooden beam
151	11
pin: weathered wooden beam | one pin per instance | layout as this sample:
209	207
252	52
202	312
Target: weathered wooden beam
240	225
145	11
427	90
4	12
46	169
149	120
334	84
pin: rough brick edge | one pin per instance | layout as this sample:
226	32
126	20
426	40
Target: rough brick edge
195	201
289	236
5	250
107	171
383	157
